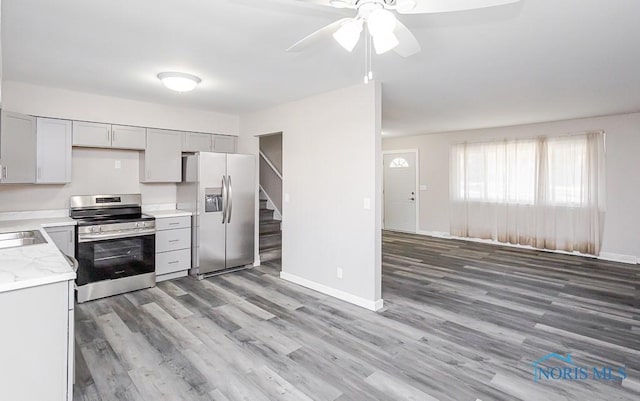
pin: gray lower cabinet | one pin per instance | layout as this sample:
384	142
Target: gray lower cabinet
173	247
37	343
17	148
162	158
64	238
53	154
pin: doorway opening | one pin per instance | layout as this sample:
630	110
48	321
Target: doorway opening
400	190
270	197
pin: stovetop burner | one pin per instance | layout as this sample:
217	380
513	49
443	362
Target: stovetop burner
106	209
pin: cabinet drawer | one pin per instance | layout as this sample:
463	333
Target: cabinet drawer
174	261
170	223
171	240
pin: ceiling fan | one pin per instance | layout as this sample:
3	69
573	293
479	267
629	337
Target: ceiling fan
382	25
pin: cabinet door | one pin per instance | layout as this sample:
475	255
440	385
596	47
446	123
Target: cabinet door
224	144
17	148
35	333
196	142
96	135
163	157
53	150
124	137
64	238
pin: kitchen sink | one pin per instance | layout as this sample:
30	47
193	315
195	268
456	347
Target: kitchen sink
21	238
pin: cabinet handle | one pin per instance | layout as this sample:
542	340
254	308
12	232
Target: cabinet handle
174	224
174	240
174	262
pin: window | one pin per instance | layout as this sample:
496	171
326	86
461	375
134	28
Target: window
546	192
550	171
398	162
496	172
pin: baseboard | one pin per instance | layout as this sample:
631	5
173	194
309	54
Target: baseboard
171	276
616	257
611	257
345	296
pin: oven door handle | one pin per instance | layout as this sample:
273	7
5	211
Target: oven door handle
115	235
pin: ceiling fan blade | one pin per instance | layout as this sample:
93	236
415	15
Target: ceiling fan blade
443	6
408	43
332	3
317	36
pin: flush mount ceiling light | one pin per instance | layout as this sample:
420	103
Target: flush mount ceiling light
179	81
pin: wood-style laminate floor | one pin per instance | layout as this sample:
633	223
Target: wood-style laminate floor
462	321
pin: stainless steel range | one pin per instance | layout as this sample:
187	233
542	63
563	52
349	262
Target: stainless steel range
115	245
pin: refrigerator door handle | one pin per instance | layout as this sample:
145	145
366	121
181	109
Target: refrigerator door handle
230	203
224	199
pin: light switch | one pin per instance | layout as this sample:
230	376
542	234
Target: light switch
423	187
118	164
286	198
367	203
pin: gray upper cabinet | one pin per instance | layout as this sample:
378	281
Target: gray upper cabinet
162	159
17	148
125	137
53	152
224	143
95	135
99	135
196	142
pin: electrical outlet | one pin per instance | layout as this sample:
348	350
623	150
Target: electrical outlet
118	164
339	272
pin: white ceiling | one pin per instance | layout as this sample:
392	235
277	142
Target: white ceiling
537	60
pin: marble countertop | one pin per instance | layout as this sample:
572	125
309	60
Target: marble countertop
159	214
33	265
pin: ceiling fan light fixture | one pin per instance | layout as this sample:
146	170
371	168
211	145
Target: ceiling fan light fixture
405	5
349	34
179	81
381	22
384	43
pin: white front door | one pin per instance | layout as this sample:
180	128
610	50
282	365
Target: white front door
400	191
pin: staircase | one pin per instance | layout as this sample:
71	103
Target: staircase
270	234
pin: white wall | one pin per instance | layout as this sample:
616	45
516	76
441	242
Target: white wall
94	169
622	222
331	161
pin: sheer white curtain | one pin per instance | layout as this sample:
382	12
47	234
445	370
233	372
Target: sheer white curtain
545	192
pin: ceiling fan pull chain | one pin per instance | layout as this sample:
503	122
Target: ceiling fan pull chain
370	75
366	50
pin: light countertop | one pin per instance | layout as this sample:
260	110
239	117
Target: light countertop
33	265
159	214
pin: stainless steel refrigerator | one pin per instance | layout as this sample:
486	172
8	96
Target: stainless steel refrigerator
219	189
